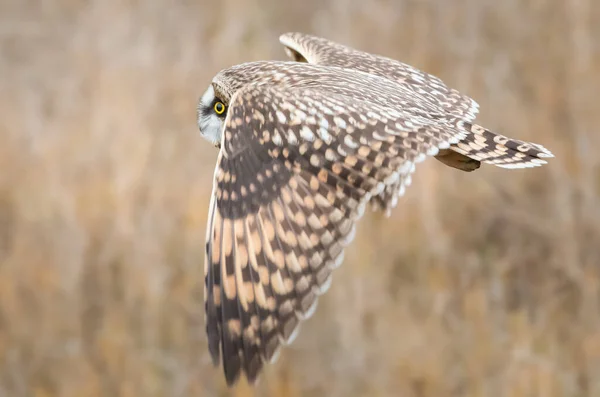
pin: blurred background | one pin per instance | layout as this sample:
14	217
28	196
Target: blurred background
480	284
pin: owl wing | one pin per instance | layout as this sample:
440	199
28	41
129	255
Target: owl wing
320	51
295	170
479	145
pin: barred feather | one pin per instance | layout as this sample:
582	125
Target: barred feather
485	146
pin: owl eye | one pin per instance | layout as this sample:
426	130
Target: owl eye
219	108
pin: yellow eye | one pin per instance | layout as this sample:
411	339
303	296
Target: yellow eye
219	107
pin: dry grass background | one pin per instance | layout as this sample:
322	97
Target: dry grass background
481	284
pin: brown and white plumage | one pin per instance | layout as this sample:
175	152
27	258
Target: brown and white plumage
304	147
480	145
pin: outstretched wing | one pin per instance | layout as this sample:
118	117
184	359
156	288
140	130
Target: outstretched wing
295	171
320	51
480	144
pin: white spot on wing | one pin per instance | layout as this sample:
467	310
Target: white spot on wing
307	134
432	151
276	138
339	122
324	123
324	134
281	117
325	286
350	142
300	115
291	137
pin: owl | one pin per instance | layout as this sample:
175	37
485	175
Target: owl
304	146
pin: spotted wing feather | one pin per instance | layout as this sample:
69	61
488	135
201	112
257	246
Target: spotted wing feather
321	51
499	150
479	145
287	194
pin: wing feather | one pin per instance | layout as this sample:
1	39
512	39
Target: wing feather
285	205
320	51
212	290
479	144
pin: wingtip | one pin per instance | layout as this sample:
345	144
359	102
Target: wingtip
232	373
215	358
529	164
285	38
293	36
291	43
546	153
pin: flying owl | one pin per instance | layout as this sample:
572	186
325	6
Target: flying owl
304	146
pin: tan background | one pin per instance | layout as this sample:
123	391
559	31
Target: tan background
480	284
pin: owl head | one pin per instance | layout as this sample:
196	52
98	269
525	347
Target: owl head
211	113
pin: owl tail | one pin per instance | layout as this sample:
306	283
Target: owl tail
482	145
